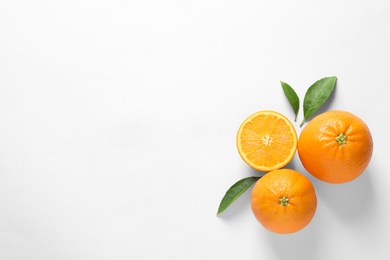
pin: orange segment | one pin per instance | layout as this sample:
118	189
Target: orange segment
267	140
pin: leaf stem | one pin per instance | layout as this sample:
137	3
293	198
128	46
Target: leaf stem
303	121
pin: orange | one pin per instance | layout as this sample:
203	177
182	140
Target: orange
284	201
267	140
335	146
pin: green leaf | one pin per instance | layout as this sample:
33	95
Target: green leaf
235	191
316	96
292	97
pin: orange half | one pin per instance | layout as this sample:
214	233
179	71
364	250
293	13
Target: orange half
267	141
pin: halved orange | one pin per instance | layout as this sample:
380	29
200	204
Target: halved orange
267	141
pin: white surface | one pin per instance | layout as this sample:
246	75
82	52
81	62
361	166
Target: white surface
118	123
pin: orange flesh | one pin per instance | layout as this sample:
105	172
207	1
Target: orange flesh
266	140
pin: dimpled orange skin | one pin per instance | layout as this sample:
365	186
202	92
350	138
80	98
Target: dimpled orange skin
284	201
325	157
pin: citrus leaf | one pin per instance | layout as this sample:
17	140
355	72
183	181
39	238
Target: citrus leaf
235	191
292	97
316	96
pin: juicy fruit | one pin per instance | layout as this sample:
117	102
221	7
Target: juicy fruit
267	140
284	201
335	146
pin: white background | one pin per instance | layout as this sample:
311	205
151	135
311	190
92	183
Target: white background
118	123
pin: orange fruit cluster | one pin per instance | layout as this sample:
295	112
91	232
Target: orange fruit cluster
335	147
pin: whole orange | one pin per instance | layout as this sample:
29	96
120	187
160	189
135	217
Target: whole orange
284	201
335	146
